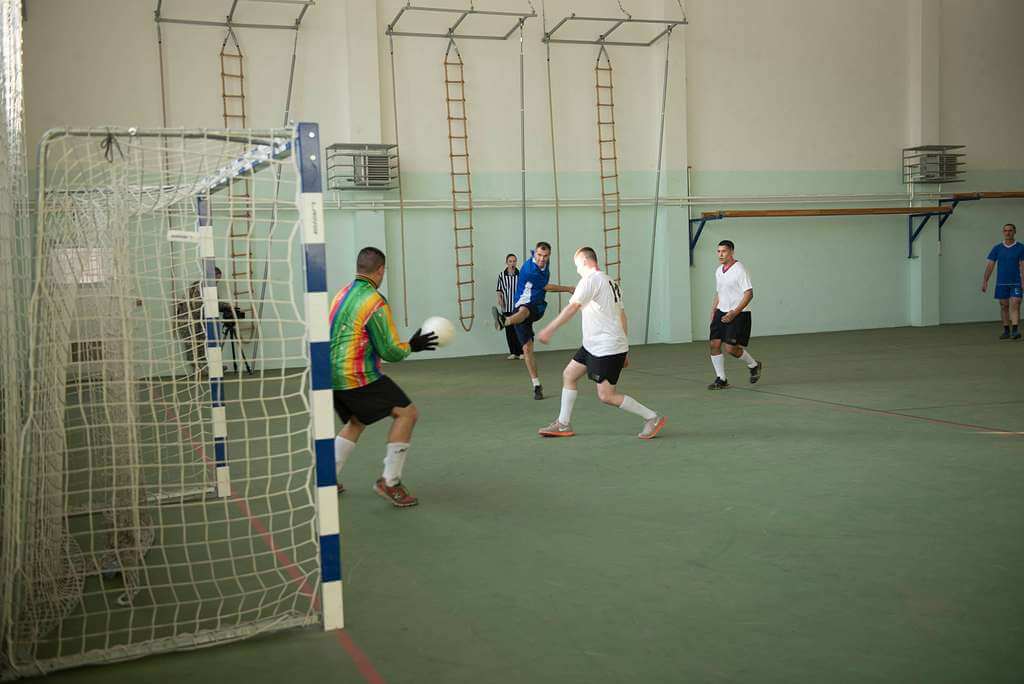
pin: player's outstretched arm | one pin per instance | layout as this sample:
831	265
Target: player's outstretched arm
568	312
384	335
550	287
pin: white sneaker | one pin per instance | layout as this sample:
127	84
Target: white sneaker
511	356
652	427
556	429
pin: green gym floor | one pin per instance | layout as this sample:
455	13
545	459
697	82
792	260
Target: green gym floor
856	516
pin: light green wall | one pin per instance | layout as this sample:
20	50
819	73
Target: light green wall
810	274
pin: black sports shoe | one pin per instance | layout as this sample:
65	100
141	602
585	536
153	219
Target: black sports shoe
1015	336
1005	335
755	373
499	318
538	392
719	384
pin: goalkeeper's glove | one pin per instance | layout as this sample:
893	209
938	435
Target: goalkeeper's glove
421	341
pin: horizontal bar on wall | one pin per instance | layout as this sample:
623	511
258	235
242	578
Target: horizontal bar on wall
286	2
962	196
224	24
845	211
536	203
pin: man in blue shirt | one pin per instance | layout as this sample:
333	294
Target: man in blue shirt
529	306
1006	258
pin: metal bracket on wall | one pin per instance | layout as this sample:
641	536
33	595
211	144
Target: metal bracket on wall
695	236
943	212
519	17
663	26
230	22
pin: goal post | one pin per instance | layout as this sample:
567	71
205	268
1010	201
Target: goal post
173	493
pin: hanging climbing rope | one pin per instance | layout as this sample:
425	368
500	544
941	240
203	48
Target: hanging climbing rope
522	123
265	279
462	187
608	161
398	170
554	162
657	179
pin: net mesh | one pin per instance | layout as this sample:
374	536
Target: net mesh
121	543
15	278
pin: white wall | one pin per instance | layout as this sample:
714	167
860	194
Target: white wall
982	85
786	85
95	62
801	84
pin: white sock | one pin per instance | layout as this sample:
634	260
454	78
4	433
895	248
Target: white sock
568	399
342	450
633	406
394	462
719	363
535	381
748	359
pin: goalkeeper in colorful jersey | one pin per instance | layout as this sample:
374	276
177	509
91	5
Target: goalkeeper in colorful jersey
362	333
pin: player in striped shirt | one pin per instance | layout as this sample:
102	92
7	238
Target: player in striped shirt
363	333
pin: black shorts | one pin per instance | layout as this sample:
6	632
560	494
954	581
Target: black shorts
524	330
370	403
601	368
736	332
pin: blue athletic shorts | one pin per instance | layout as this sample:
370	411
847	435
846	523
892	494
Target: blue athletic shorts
524	330
1007	291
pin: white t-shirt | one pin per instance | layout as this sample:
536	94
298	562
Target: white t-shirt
731	285
601	300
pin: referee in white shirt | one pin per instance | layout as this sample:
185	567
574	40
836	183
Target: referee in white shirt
730	322
506	293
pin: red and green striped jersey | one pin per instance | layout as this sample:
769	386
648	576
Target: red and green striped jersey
362	333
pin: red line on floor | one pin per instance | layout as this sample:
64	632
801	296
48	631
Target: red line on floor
359	658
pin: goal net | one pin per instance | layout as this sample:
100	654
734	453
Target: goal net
167	490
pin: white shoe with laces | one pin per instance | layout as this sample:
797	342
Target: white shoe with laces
556	429
652	427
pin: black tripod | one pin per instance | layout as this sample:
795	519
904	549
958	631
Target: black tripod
230	332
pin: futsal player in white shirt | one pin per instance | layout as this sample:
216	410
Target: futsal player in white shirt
605	347
730	322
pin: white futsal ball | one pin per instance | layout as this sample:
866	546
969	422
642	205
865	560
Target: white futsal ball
442	327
